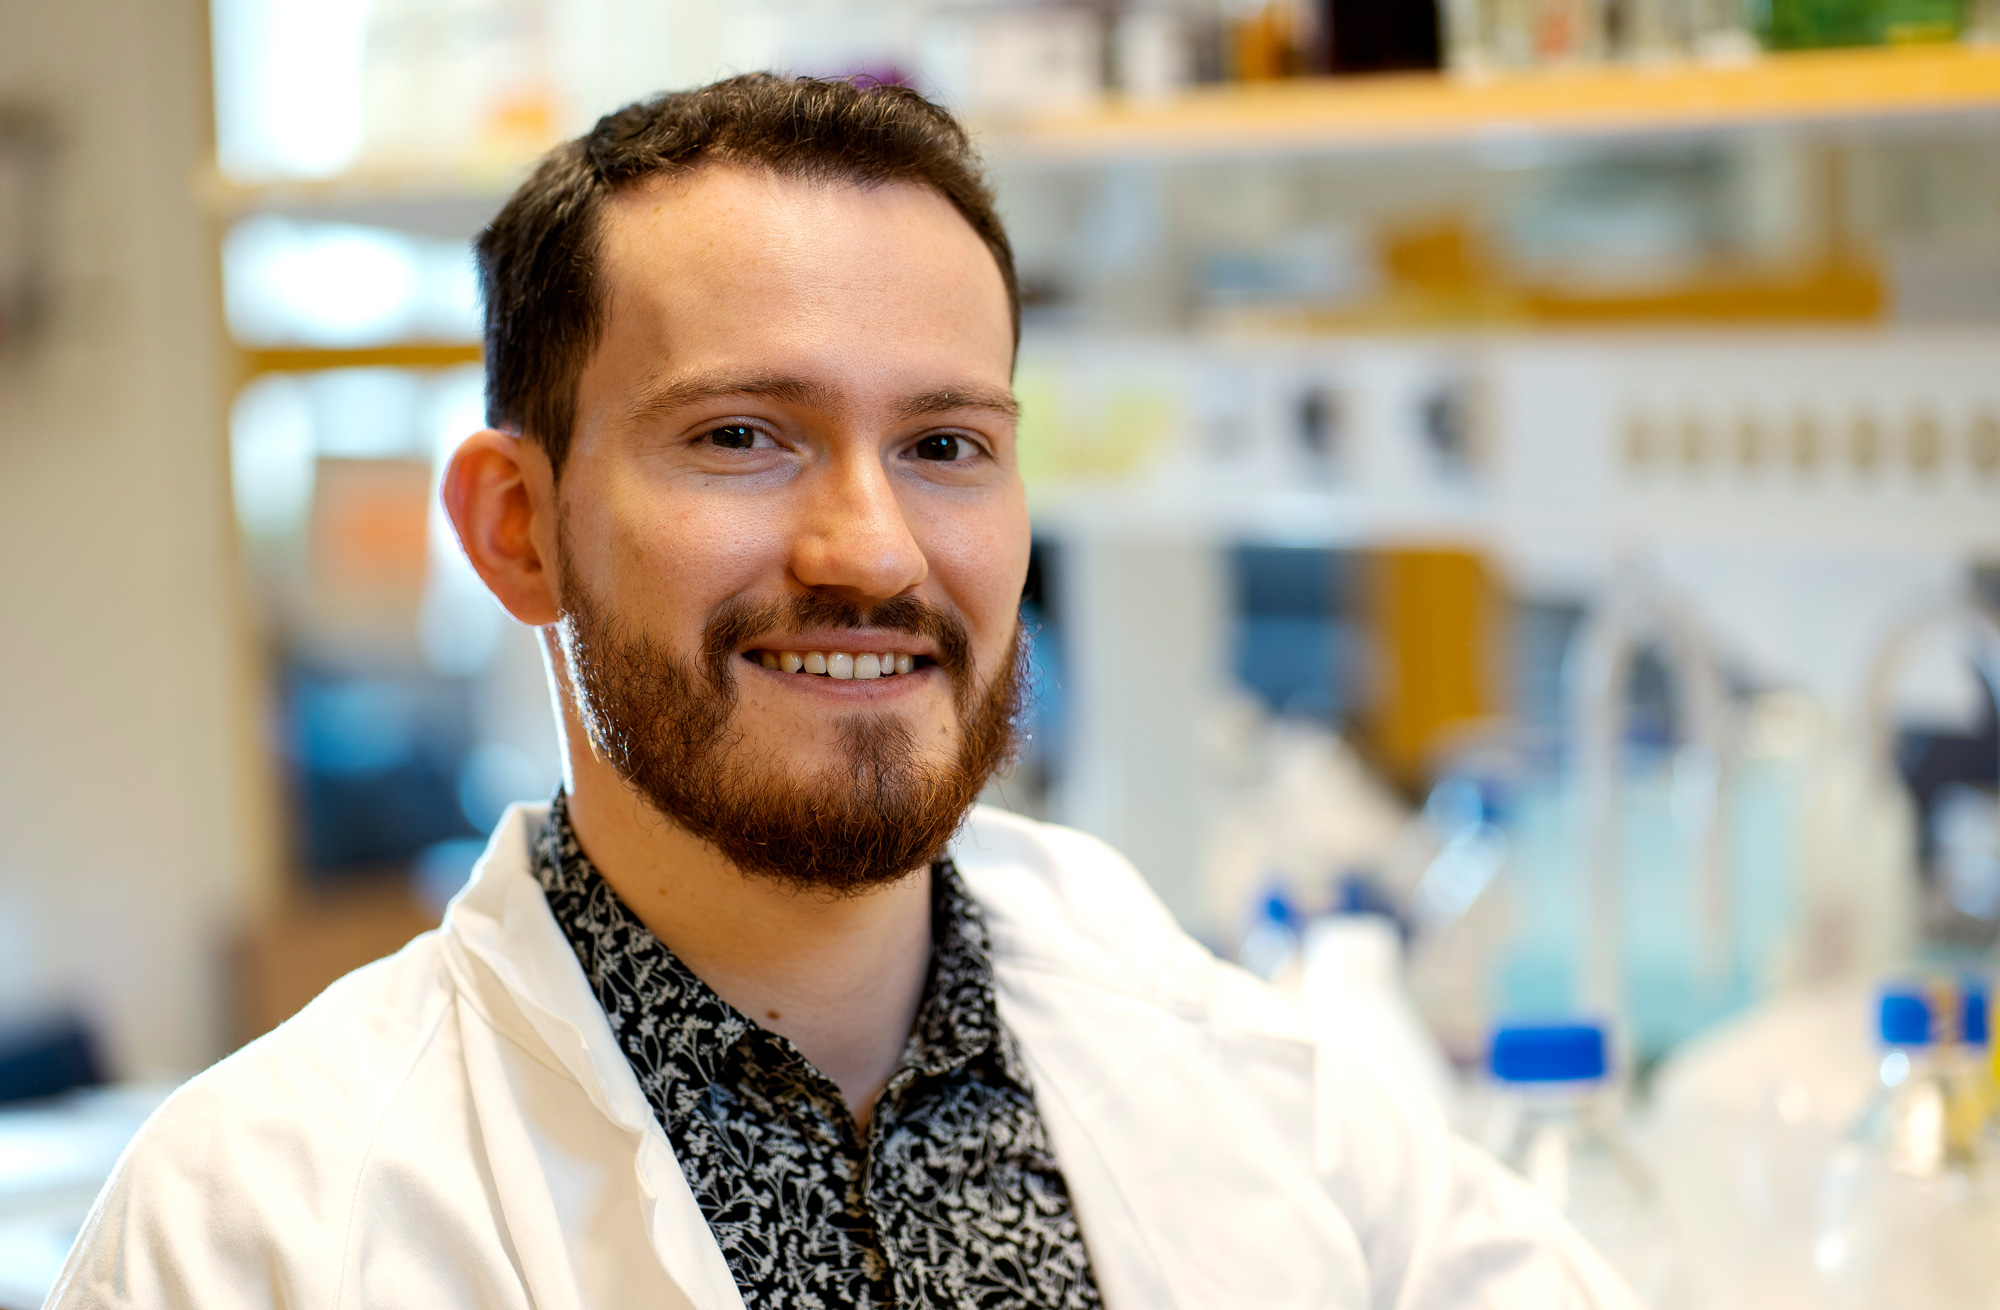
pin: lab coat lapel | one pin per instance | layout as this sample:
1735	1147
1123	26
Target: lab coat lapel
1182	1121
1188	1192
518	972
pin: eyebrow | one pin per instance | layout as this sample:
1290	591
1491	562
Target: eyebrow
665	398
946	399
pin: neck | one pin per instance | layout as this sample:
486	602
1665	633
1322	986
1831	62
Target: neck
842	978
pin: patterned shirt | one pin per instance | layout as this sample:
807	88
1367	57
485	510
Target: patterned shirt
953	1198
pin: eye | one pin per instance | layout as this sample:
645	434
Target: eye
734	436
943	447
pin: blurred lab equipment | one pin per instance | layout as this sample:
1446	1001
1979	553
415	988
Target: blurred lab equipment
25	217
1154	48
47	1056
1742	1123
1805	24
1514	33
1353	992
1958	830
1487	34
1554	1119
1590	871
1599	668
1383	36
1859	913
1461	909
1008	61
1270	943
1910	1207
1750	1117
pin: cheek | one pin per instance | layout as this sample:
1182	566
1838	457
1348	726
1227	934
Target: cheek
980	558
676	557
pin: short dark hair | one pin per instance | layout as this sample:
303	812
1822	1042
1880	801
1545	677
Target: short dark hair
538	259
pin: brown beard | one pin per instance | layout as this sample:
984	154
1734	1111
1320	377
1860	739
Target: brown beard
664	723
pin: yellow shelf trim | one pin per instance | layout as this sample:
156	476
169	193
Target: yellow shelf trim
1429	109
254	362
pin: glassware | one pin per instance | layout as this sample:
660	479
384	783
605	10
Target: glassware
1908	1215
1555	1121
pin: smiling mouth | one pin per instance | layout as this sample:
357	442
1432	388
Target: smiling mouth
841	665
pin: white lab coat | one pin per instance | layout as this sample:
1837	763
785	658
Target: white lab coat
457	1126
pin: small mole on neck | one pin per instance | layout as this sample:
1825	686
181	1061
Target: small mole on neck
770	1014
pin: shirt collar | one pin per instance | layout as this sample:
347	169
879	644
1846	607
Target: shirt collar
959	1019
957	1023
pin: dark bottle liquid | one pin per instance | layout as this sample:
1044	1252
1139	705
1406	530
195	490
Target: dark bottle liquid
1382	36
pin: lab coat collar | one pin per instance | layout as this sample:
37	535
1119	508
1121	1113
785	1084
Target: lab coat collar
1102	992
513	965
516	966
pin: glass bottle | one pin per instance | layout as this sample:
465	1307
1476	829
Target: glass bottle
1907	1211
1554	1119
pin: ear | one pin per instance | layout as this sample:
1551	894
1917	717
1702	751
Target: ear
499	491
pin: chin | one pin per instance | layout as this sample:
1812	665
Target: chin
829	759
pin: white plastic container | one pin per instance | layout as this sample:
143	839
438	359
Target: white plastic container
1354	993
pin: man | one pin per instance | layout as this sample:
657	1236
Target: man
752	1015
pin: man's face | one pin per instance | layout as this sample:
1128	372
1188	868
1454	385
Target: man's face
795	438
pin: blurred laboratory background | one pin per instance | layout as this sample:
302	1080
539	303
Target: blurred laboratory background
1517	500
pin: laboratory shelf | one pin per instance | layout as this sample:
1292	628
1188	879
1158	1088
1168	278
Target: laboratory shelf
1302	116
445	202
1323	115
254	361
439	185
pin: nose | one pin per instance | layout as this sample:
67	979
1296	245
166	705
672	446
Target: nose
853	535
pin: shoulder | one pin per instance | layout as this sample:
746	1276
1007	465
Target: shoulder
1148	1043
1062	899
1006	856
1146	1046
1058	899
247	1175
356	1033
330	1069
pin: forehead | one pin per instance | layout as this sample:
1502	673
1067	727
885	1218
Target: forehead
729	265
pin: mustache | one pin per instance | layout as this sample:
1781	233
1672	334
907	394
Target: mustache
737	620
663	720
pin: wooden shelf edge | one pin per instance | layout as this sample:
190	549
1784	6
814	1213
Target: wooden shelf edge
256	361
1433	109
1353	113
228	197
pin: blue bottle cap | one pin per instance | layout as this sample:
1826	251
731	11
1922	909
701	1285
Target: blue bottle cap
1905	1017
1974	1025
1548	1053
1274	905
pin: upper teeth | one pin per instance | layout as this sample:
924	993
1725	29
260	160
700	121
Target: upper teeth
838	663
